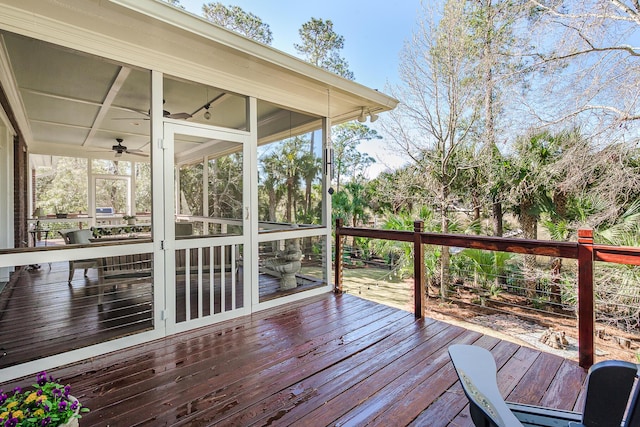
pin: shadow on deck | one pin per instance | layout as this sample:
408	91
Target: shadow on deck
326	360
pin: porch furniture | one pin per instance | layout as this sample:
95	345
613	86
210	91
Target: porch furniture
38	233
122	269
609	388
78	237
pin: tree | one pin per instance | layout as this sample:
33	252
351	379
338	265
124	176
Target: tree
491	28
175	3
236	19
349	162
321	46
351	204
433	126
593	55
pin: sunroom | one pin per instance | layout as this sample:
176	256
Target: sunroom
159	173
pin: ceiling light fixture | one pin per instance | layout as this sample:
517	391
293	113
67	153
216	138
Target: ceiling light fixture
207	114
373	117
362	117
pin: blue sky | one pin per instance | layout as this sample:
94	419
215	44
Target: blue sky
374	30
374	33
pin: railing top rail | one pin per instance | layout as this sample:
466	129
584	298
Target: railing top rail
491	243
617	254
504	244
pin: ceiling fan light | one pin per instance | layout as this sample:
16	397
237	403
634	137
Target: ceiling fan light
207	115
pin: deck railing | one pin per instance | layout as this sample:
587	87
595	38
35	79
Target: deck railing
584	251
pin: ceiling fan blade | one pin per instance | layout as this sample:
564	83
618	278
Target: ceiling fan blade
137	154
179	116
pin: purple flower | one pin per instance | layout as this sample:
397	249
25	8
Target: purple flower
62	406
74	405
11	422
3	397
39	392
42	378
56	392
45	422
67	389
17	390
46	407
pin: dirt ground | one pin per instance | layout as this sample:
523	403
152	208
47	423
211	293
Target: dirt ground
499	318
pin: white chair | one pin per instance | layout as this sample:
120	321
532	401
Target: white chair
611	399
78	237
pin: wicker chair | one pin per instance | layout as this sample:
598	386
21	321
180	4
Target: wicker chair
76	236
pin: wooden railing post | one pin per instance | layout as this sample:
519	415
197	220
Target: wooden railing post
419	288
338	257
586	312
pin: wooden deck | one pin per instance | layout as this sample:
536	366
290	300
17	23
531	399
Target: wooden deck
328	360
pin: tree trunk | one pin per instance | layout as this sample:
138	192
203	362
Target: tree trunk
309	180
496	214
445	256
289	199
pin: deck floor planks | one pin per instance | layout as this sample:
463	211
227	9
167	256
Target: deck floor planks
169	353
277	367
536	380
237	364
300	366
426	389
231	372
560	393
331	395
450	404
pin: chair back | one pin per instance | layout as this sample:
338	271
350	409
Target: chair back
79	236
632	417
608	389
476	370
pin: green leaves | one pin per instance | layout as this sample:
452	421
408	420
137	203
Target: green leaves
321	46
236	19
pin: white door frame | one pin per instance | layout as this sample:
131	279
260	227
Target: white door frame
169	244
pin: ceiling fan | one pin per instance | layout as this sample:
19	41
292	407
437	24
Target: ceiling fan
119	149
165	113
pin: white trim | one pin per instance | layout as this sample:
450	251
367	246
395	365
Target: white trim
6	190
82	354
294	233
10	87
250	266
276	302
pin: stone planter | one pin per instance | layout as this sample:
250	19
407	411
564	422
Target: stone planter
73	422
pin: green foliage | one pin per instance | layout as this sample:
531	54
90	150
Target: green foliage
62	187
285	168
236	19
191	189
489	266
349	162
225	186
321	46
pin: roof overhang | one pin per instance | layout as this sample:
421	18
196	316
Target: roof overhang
38	39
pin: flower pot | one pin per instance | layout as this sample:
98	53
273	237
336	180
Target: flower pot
131	221
73	422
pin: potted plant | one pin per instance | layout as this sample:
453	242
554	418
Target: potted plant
47	404
131	219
